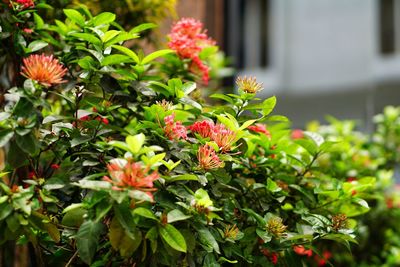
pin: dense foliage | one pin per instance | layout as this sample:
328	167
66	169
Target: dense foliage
114	159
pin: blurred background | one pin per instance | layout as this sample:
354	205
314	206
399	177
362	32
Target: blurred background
337	57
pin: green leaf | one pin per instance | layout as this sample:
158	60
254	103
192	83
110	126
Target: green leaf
256	216
155	55
143	27
308	145
75	16
115	59
145	213
231	124
190	102
127	52
87	240
223	97
37	45
74	217
39	23
5	136
87	37
272	186
207	239
27	143
177	215
80	140
247	124
173	237
109	35
123	36
268	105
45	224
182	177
135	142
5	210
103	18
188	87
122	242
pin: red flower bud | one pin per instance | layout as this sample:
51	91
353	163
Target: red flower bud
55	166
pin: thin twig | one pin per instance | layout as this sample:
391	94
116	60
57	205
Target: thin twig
71	259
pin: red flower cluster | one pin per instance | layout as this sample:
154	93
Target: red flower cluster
260	128
297	134
217	133
302	251
46	70
23	4
207	158
90	117
174	130
55	166
321	261
128	174
272	256
188	38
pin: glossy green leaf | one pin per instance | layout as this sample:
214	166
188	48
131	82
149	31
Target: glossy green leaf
127	52
103	18
147	59
173	237
75	16
177	215
87	240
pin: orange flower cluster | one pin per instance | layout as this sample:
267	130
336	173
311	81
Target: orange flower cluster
188	38
208	159
130	175
46	70
217	133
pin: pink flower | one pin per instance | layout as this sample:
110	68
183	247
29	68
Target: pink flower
260	128
46	70
188	38
297	134
174	130
27	30
204	128
130	175
223	137
208	159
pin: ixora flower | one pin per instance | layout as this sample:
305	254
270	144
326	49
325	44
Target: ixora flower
276	227
174	130
223	137
126	174
260	128
208	158
46	70
218	133
249	84
22	4
204	128
188	38
297	134
302	251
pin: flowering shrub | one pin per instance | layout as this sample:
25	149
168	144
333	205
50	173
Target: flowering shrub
111	160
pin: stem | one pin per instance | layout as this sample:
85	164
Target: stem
71	259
